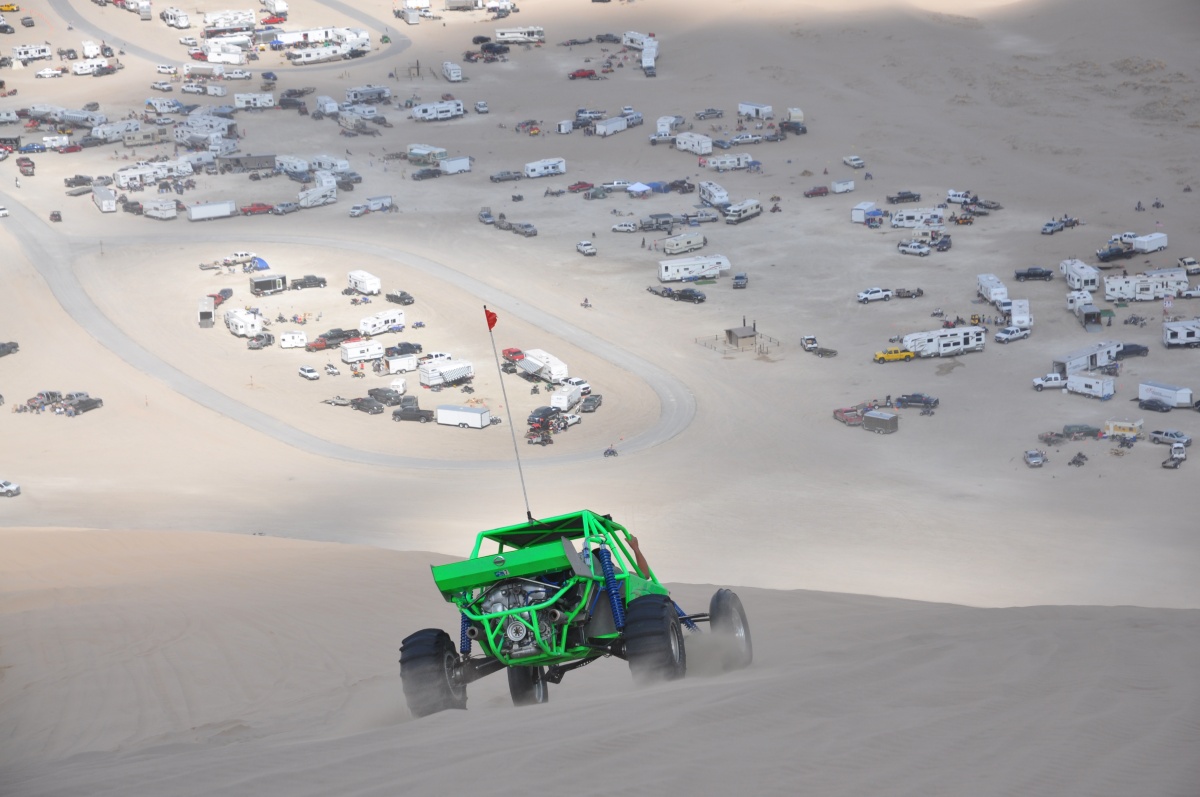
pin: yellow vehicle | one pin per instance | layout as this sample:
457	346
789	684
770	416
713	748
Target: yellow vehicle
9	7
893	354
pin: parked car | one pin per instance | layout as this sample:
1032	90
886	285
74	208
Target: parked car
1035	458
481	107
261	341
721	143
580	187
586	248
70	148
874	295
1154	405
625	226
591	403
1169	436
283	208
710	113
49	72
746	138
387	396
162	85
502	177
817	190
1051	227
486	217
309	373
9	489
426	174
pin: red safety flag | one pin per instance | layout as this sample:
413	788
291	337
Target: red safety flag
491	318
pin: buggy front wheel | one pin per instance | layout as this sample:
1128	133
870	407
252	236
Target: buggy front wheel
428	662
528	686
654	640
727	619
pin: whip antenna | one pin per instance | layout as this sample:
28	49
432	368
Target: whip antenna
491	323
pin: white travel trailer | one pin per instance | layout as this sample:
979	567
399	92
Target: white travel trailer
452	72
437	111
695	143
532	34
685	242
636	40
755	110
712	194
1079	275
730	161
687	269
253	100
293	340
368	93
243	323
945	342
546	167
32	52
326	162
384	321
361	351
364	282
1181	333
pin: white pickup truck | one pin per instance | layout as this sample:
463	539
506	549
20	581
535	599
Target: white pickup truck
912	248
1053	381
874	295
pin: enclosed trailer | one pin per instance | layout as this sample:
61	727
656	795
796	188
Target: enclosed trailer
464	417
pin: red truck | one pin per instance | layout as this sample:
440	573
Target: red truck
256	209
26	166
583	74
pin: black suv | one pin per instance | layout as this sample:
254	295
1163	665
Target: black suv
1132	350
494	48
87	403
1034	273
308	281
541	416
426	174
688	295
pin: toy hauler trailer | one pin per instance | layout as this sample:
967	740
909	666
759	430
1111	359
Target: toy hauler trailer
161	209
945	342
1181	333
543	365
444	372
207	211
688	269
243	323
1174	395
531	34
268	284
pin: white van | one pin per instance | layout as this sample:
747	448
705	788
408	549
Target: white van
166	69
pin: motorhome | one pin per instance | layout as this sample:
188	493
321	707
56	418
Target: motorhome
546	167
742	211
687	269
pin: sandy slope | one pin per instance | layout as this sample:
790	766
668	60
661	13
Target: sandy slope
200	664
196	663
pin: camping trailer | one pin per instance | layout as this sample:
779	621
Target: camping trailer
687	269
546	167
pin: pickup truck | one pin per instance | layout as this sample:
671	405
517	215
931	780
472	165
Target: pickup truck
308	281
903	196
1169	437
1054	381
710	113
688	295
1034	273
586	248
913	248
584	74
740	280
817	190
1051	227
1115	253
501	177
662	138
400	297
1189	265
746	138
874	295
854	162
893	354
412	414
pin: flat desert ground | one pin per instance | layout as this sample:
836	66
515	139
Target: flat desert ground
205	582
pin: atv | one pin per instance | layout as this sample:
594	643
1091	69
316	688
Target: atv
545	597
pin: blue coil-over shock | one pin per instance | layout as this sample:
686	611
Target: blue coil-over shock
612	587
464	641
688	623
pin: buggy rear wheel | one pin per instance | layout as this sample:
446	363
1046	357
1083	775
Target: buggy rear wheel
528	686
654	640
727	619
427	664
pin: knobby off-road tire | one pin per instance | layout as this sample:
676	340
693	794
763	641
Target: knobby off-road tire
427	659
727	619
654	640
528	686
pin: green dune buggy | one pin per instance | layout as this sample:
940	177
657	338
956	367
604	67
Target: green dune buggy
545	597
